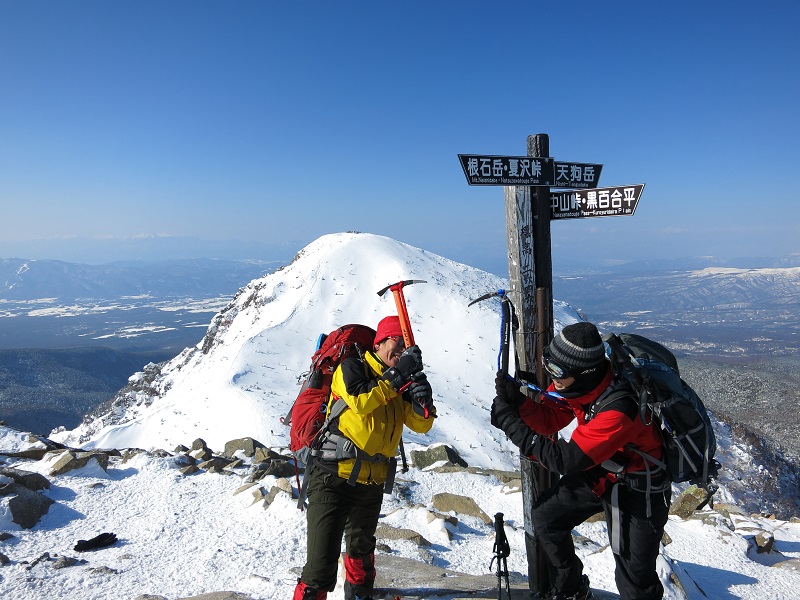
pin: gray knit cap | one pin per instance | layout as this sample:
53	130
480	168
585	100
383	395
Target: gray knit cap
578	345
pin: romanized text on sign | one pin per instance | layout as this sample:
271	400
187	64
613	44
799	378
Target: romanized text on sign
600	202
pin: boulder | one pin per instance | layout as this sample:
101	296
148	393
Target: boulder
387	532
462	505
71	460
436	454
26	506
245	445
687	502
32	481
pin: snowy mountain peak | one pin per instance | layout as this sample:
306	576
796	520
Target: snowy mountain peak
243	377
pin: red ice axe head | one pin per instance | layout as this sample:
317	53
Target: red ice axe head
402	312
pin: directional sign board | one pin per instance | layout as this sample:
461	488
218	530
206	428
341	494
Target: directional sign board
576	175
507	170
599	202
525	170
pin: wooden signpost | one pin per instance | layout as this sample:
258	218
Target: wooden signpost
530	206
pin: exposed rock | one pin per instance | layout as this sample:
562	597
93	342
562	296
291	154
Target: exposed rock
687	502
4	560
189	470
246	445
265	454
273	493
435	454
259	494
202	454
596	518
277	467
446	502
764	541
103	570
398	575
451	519
284	485
71	460
149	597
199	444
62	562
244	487
27	506
215	464
130	453
792	564
728	509
32	481
387	532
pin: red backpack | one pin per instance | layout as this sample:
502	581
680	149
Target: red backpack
308	413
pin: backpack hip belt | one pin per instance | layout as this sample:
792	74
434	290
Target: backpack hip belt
335	447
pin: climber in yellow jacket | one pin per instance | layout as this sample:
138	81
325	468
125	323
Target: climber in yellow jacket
357	460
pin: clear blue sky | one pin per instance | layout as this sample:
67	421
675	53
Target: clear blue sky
276	122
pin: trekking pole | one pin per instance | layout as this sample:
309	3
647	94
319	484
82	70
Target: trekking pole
501	551
402	313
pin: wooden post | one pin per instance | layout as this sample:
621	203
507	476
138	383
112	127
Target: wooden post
522	285
530	278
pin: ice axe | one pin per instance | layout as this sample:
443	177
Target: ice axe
509	323
402	313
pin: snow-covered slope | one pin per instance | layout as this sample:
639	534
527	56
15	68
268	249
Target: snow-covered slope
243	376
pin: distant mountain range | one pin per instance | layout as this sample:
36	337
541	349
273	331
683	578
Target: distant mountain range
22	279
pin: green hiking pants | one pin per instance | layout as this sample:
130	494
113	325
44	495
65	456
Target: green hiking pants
335	508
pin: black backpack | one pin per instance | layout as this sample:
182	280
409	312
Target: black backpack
651	371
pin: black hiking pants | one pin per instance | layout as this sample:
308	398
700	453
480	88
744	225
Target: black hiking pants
569	503
336	508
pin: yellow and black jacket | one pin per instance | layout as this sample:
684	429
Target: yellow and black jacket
375	417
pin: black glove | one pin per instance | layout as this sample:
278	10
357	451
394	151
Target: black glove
409	363
503	413
101	541
508	389
505	416
421	395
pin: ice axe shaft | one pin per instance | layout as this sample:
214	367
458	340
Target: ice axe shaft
505	326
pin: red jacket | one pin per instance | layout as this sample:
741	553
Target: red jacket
594	441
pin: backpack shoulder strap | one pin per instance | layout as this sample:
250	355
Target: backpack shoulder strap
614	392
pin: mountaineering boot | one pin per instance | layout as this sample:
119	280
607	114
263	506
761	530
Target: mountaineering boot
583	593
306	592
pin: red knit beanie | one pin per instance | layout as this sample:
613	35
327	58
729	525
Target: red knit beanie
388	327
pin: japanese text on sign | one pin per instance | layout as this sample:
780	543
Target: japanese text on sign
600	202
507	170
577	175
